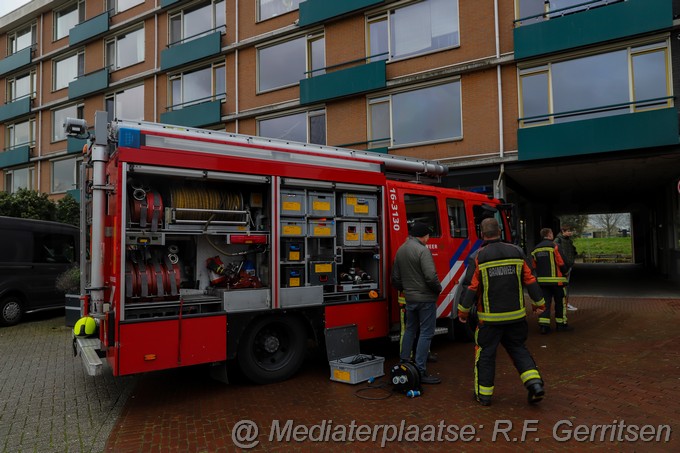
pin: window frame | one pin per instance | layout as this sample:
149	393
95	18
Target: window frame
9	179
190	8
172	105
432	217
455	220
80	67
113	42
10	131
309	38
388	97
309	114
632	48
76	173
112	97
113	5
386	15
13	36
80	109
258	10
80	8
11	86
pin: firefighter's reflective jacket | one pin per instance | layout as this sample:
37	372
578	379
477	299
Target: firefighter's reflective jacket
501	271
550	267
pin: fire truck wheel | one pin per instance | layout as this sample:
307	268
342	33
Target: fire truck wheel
272	349
10	311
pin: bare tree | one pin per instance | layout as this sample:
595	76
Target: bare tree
610	222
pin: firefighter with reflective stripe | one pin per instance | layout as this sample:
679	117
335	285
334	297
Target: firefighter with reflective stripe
500	272
550	273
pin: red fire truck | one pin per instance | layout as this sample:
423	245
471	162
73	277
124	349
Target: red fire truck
207	246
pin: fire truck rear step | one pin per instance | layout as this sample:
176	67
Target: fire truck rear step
88	352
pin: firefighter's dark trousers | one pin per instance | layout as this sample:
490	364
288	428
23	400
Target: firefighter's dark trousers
512	337
556	293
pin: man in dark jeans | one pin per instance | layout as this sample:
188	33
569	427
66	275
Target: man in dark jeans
415	274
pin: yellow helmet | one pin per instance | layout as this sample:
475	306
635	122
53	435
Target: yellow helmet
85	327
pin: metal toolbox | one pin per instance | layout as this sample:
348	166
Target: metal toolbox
359	205
322	273
350	234
293	203
369	233
293	228
321	204
321	228
347	363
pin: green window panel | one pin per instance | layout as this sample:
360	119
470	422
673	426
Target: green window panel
15	156
165	3
597	25
16	61
87	84
89	29
613	133
15	109
194	50
315	11
75	145
345	82
197	115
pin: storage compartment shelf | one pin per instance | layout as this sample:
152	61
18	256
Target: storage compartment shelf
190	305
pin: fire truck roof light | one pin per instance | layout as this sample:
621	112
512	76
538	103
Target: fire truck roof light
131	138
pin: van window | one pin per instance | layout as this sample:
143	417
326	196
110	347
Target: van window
421	208
457	218
54	248
17	246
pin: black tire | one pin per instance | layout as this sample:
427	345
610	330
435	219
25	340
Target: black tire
272	349
11	311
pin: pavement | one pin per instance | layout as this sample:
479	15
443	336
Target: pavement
611	384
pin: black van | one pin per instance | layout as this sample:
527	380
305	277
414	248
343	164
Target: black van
32	254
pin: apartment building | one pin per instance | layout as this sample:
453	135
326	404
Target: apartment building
558	105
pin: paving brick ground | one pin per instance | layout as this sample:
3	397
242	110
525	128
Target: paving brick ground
47	402
620	369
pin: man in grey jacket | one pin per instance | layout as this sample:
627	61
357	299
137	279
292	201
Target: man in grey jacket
415	274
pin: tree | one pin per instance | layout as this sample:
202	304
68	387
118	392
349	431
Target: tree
68	211
610	222
578	222
28	204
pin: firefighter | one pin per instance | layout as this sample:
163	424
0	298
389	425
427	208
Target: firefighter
550	273
500	272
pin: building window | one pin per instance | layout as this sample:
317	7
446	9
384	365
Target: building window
65	175
192	23
67	70
423	115
20	178
622	81
194	87
125	50
532	11
305	127
271	8
20	39
127	104
118	6
394	32
286	63
21	86
21	134
67	18
58	118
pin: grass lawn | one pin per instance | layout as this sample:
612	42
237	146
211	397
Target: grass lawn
604	246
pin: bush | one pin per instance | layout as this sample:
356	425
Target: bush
69	281
30	204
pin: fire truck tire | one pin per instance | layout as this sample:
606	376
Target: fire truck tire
11	310
272	349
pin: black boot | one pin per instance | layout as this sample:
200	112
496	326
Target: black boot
536	393
564	328
545	330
